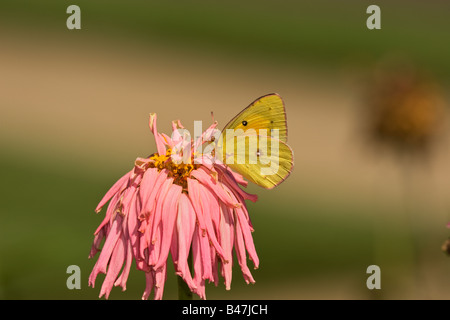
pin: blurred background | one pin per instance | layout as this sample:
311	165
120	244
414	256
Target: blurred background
368	123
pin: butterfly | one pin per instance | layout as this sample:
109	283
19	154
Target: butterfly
254	142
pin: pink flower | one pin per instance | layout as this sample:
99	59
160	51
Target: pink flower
163	206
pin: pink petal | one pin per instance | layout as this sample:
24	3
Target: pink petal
149	281
116	263
133	228
147	184
170	209
243	207
167	140
194	197
128	198
160	280
209	181
206	258
209	207
117	187
158	218
149	199
174	247
214	209
158	139
102	262
241	256
122	280
236	176
214	266
112	206
226	241
231	182
206	136
185	228
96	244
198	265
246	232
195	191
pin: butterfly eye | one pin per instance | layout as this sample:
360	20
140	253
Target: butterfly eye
244	123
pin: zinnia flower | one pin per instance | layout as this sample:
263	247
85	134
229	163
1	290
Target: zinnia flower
163	205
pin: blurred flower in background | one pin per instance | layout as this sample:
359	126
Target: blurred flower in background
404	109
404	114
446	246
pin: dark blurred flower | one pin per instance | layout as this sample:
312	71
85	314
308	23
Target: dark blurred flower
404	109
446	246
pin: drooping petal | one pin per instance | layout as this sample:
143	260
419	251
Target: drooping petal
170	209
230	180
226	241
200	204
134	235
246	232
185	228
209	207
147	184
115	264
236	176
160	280
213	209
156	227
149	283
129	194
209	182
238	198
198	265
149	199
241	256
194	197
96	244
112	207
122	280
117	187
102	262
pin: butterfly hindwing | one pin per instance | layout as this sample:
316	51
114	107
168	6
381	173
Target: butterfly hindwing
265	166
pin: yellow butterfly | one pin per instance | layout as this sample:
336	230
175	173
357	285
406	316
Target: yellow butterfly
254	142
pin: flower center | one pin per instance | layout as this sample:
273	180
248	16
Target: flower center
180	172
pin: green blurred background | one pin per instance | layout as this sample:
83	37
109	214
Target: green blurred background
74	110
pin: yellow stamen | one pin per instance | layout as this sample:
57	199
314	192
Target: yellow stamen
180	172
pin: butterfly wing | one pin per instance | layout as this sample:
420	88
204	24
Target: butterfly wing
269	167
256	145
266	112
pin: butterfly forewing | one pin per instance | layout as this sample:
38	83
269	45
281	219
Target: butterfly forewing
267	112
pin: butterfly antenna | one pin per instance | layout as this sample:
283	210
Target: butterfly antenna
212	116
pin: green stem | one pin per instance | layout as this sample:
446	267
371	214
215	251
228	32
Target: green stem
184	293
